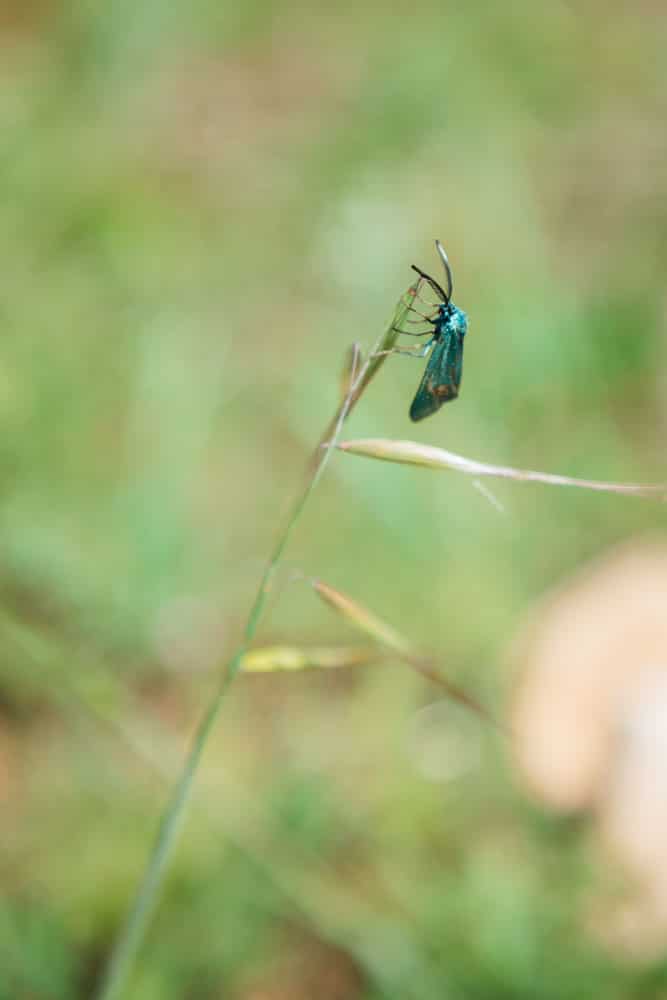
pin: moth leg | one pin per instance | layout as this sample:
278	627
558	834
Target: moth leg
411	333
415	295
424	317
408	303
434	305
410	352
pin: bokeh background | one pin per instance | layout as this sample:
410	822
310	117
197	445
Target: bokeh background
202	205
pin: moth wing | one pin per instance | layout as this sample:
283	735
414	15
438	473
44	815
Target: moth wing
441	379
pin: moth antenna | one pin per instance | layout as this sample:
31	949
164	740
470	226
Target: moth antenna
432	282
448	271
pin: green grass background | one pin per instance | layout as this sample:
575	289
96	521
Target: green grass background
202	205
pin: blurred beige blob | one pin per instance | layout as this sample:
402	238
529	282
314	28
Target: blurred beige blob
589	722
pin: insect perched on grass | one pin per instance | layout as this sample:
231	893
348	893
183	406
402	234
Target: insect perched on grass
447	328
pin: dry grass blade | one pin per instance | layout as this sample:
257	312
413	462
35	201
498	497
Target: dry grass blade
132	932
385	634
413	453
357	376
268	659
363	619
351	364
427	667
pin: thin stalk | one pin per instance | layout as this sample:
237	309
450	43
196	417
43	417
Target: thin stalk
132	933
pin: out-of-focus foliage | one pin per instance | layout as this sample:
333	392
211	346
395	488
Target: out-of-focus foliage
202	205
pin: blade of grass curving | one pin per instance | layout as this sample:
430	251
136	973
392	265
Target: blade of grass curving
378	355
413	453
364	619
131	935
428	668
310	892
406	651
384	346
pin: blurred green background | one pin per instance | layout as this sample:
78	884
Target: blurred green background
202	205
